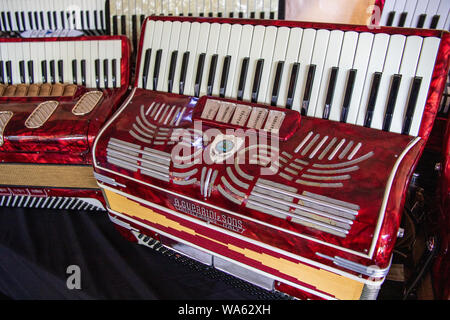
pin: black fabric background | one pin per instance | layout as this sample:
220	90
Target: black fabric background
37	246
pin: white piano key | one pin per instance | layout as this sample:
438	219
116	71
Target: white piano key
376	63
89	64
361	63
194	37
318	59
391	67
39	49
432	9
244	52
202	47
200	7
443	12
421	8
425	69
94	56
304	58
266	9
207	7
387	9
79	57
71	55
193	8
255	53
408	71
173	46
213	39
158	29
118	57
182	48
267	52
346	60
103	49
274	8
399	8
292	50
279	54
447	23
147	44
410	7
331	60
222	51
233	52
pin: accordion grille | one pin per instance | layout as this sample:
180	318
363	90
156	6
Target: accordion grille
41	114
5	116
87	103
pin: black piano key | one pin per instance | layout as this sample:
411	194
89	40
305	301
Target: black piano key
272	15
330	93
171	76
52	72
123	23
107	17
36	20
261	15
60	71
231	14
41	16
348	94
142	18
49	18
390	20
277	83
219	14
257	80
96	24
22	20
190	14
372	98
19	26
97	72
74	71
243	78
434	21
4	22
183	71
134	32
8	15
55	20
30	71
83	25
292	85
2	73
224	77
9	78
212	74
157	68
308	89
83	72
392	100
114	73
148	54
402	20
411	106
421	21
240	14
22	71
199	74
201	14
252	15
115	27
44	71
102	21
30	20
105	73
210	14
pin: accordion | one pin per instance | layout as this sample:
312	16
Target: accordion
55	94
276	151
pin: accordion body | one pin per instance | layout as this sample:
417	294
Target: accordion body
56	94
289	201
